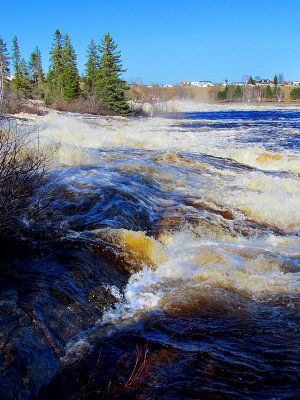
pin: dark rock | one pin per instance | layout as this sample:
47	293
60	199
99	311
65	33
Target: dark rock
47	297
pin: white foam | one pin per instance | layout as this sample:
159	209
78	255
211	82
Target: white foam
253	268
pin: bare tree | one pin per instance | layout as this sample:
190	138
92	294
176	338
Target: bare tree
279	95
1	83
280	77
22	171
259	92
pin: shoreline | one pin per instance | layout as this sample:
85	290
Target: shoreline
163	109
197	106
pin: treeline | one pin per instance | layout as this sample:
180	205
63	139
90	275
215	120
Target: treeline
247	93
101	90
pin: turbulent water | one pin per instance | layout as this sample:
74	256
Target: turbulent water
203	212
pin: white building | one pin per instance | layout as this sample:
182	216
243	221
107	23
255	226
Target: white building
202	84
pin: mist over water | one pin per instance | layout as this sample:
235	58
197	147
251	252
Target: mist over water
202	211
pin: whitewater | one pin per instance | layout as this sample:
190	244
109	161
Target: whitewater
202	211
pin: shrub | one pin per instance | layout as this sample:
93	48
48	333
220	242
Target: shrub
269	93
82	105
295	93
223	94
13	103
22	173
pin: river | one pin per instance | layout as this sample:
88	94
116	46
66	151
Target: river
176	272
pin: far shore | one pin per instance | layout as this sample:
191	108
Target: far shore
162	109
198	106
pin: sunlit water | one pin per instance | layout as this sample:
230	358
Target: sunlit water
203	210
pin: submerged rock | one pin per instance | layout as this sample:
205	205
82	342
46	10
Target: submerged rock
46	298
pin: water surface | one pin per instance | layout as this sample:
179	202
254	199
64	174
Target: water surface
203	214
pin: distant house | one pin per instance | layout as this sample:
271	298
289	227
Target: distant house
295	83
185	83
237	83
265	82
202	84
197	83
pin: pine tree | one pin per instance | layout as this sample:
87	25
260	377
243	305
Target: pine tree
275	80
92	74
70	75
54	77
111	88
36	73
4	68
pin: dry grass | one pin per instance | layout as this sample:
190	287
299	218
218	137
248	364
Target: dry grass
144	94
14	103
120	385
138	373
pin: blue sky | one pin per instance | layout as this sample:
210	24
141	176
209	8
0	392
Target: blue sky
169	41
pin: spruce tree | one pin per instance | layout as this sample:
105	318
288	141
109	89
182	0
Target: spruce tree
251	81
70	75
4	68
16	59
24	71
4	58
238	93
269	94
111	88
92	74
21	79
36	73
275	80
54	77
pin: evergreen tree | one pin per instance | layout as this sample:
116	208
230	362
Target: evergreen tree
223	94
111	88
269	94
36	73
4	68
92	74
16	59
54	77
70	75
251	81
25	86
21	79
4	58
295	93
275	80
238	93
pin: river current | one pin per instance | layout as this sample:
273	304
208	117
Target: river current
202	212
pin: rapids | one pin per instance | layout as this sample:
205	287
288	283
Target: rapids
178	235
